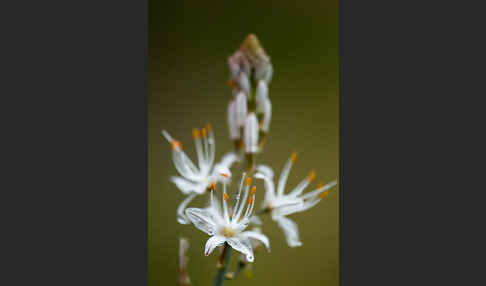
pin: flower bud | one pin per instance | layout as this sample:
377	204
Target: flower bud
251	133
244	83
261	95
241	109
267	114
263	104
264	72
233	127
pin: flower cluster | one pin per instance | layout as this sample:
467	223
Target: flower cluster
250	109
249	114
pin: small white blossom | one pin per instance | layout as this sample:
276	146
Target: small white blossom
196	180
251	133
223	227
282	205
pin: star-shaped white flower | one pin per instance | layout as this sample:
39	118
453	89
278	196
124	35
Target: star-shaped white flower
194	180
281	205
222	227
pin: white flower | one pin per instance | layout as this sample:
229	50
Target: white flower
222	227
196	180
251	133
282	205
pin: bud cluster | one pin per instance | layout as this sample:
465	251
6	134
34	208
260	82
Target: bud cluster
250	109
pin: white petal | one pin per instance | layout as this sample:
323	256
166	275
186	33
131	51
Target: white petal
228	159
299	188
266	170
242	224
242	245
218	171
287	201
167	136
203	219
213	242
187	187
319	191
255	220
181	217
241	109
251	133
258	236
283	177
269	187
290	230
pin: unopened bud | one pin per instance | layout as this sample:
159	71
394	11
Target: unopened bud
244	83
234	131
253	49
241	109
264	72
251	133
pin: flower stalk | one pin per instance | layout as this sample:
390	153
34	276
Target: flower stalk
223	263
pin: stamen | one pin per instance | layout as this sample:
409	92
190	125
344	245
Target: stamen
225	196
174	144
320	185
203	133
208	126
323	194
248	181
195	133
213	186
250	200
253	190
312	176
224	175
293	158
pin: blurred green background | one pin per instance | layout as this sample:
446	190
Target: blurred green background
189	42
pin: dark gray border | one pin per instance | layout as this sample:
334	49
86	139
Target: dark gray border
409	139
75	77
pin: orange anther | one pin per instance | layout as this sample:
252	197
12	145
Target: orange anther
174	144
203	133
312	176
224	175
293	158
225	195
248	181
195	133
250	200
320	185
323	195
208	126
213	186
253	190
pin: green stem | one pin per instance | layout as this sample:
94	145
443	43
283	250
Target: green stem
222	265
